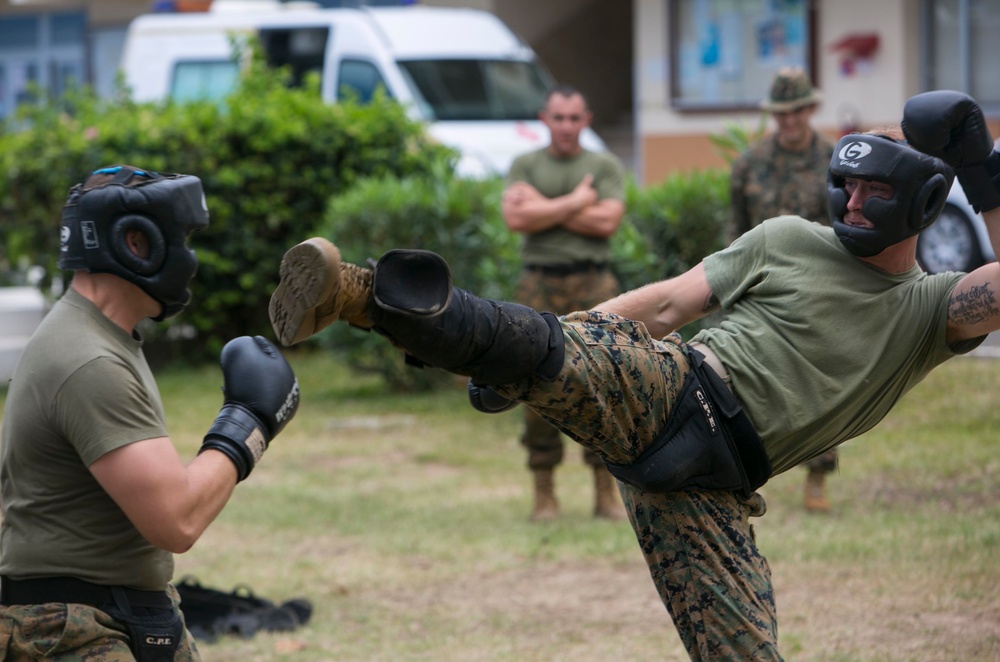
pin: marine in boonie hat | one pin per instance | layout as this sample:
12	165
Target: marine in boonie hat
791	90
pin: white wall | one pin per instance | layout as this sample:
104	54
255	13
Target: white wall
875	92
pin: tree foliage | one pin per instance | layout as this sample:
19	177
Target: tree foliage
279	165
270	158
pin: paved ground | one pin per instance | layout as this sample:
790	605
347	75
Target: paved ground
990	349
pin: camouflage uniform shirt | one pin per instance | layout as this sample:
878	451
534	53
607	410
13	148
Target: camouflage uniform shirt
768	181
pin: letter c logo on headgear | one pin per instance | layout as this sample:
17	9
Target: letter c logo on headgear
855	150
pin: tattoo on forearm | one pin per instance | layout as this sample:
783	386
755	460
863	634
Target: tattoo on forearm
974	305
711	303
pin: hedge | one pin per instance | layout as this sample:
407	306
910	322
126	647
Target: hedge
270	159
279	165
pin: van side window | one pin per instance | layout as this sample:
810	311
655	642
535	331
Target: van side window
477	89
359	79
211	81
302	50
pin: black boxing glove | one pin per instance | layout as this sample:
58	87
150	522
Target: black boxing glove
486	400
261	395
950	125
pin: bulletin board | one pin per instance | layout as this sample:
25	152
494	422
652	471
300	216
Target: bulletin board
724	53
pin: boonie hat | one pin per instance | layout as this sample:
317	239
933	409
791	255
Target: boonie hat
791	90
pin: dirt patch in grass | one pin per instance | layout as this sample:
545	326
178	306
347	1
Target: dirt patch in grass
577	611
965	492
842	616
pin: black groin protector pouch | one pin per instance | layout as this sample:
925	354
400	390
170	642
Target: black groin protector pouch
155	633
708	443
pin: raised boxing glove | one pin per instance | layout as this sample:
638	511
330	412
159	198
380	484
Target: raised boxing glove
950	125
260	394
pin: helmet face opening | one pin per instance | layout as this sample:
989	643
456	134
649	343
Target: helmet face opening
165	208
920	188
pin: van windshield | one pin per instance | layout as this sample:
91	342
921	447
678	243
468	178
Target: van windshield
477	89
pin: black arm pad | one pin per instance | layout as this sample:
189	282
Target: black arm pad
486	400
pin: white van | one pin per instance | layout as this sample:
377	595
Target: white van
462	71
22	310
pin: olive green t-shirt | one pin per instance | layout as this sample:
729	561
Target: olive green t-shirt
554	177
819	344
82	388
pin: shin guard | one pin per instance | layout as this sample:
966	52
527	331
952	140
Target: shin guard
492	342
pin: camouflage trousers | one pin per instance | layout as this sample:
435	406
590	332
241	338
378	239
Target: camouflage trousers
559	295
613	395
73	633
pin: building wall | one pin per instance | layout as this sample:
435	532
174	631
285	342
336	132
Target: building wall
583	43
100	13
873	94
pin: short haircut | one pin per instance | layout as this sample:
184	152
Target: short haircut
566	91
888	131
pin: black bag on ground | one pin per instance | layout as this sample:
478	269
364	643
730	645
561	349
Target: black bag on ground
210	613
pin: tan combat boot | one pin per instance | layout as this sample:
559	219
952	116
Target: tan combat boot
815	496
607	501
546	505
315	290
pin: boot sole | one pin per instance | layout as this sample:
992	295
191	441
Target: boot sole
308	276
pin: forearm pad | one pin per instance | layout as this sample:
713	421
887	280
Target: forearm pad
238	434
981	183
488	401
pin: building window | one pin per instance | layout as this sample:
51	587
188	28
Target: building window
46	51
960	54
17	32
724	53
68	29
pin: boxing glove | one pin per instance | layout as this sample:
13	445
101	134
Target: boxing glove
950	125
260	396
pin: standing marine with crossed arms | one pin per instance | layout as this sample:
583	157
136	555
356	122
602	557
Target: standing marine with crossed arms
566	202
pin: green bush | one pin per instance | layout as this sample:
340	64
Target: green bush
269	159
278	166
737	138
668	228
680	220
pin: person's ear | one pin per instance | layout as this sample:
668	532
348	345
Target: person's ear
138	243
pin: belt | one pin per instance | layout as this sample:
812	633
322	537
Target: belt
566	269
713	362
75	591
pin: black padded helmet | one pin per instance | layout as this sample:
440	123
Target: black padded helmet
920	184
166	208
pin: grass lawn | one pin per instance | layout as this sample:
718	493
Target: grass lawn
403	518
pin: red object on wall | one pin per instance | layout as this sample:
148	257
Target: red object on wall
857	46
854	47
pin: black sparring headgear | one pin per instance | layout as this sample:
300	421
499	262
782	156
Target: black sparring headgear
166	208
920	183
